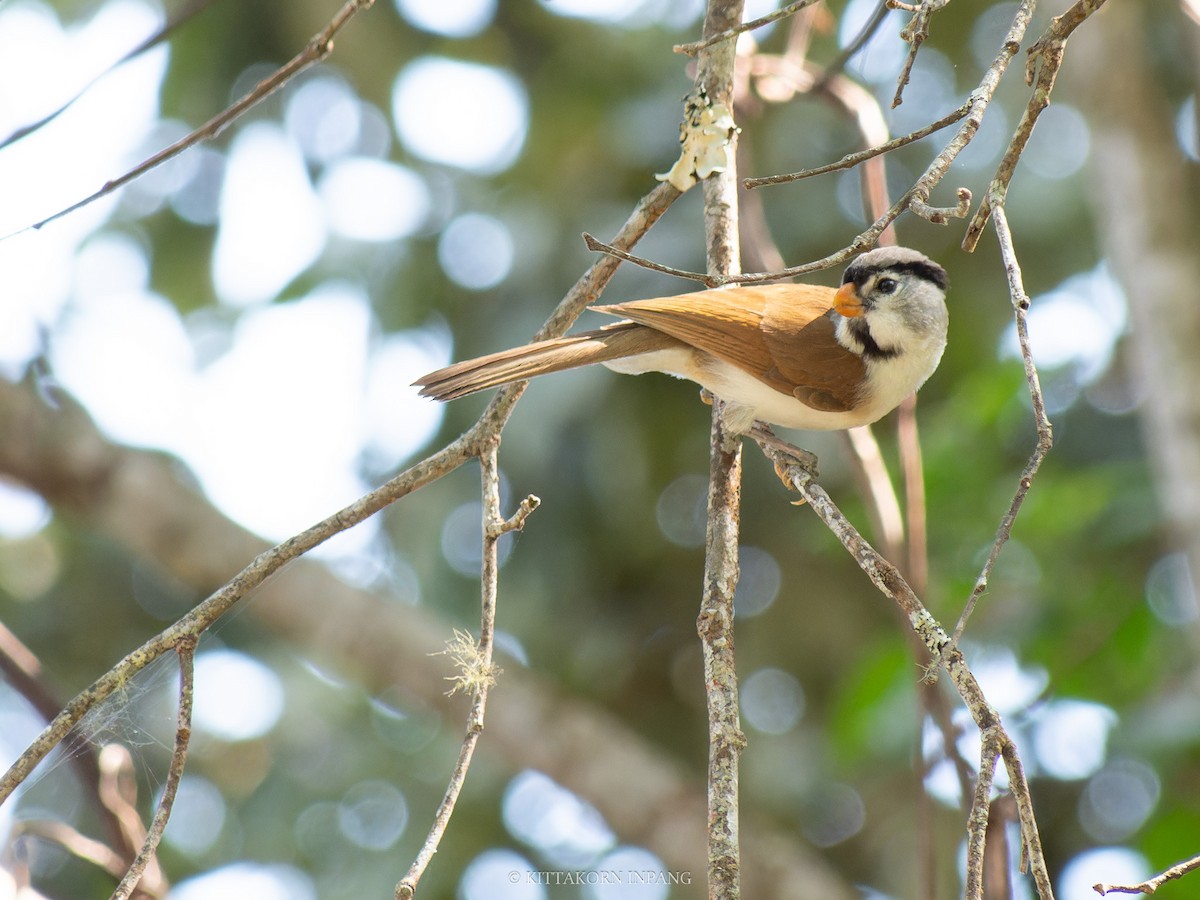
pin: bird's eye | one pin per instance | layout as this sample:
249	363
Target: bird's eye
886	285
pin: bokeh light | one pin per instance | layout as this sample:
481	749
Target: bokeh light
371	200
460	19
461	114
835	813
288	381
400	422
1100	865
759	581
1118	800
1073	328
271	224
324	117
772	700
1010	688
43	67
1187	131
108	344
682	510
372	815
632	873
550	819
883	54
476	251
1171	592
500	875
1059	144
237	697
247	881
197	817
1070	737
23	513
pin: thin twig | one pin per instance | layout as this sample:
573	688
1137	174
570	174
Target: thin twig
980	815
214	607
997	866
118	792
1048	49
1045	434
941	215
836	66
850	160
598	246
1033	858
180	18
73	841
1150	885
186	651
479	674
890	582
648	210
317	49
696	46
877	489
915	32
23	672
920	191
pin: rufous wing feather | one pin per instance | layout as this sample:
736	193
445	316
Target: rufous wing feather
781	334
604	344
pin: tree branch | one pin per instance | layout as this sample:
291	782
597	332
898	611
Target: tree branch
915	32
186	651
715	77
1150	885
696	46
890	582
477	671
850	160
917	197
147	507
177	19
1049	49
1045	434
316	50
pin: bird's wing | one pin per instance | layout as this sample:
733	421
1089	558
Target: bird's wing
779	333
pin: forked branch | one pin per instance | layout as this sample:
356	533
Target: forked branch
891	583
186	651
477	671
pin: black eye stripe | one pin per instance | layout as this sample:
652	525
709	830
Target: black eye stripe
924	269
928	271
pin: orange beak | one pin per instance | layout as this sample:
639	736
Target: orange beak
847	302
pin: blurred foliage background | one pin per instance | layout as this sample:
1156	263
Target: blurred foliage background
254	311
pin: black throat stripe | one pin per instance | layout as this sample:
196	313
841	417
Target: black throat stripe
871	349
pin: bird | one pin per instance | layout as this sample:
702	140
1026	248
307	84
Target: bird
800	356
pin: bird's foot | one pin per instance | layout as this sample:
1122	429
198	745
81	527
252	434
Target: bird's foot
783	455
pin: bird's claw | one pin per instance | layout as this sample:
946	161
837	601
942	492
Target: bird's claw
784	456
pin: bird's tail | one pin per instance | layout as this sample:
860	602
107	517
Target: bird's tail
616	341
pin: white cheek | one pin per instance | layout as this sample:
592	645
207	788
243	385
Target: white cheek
889	329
